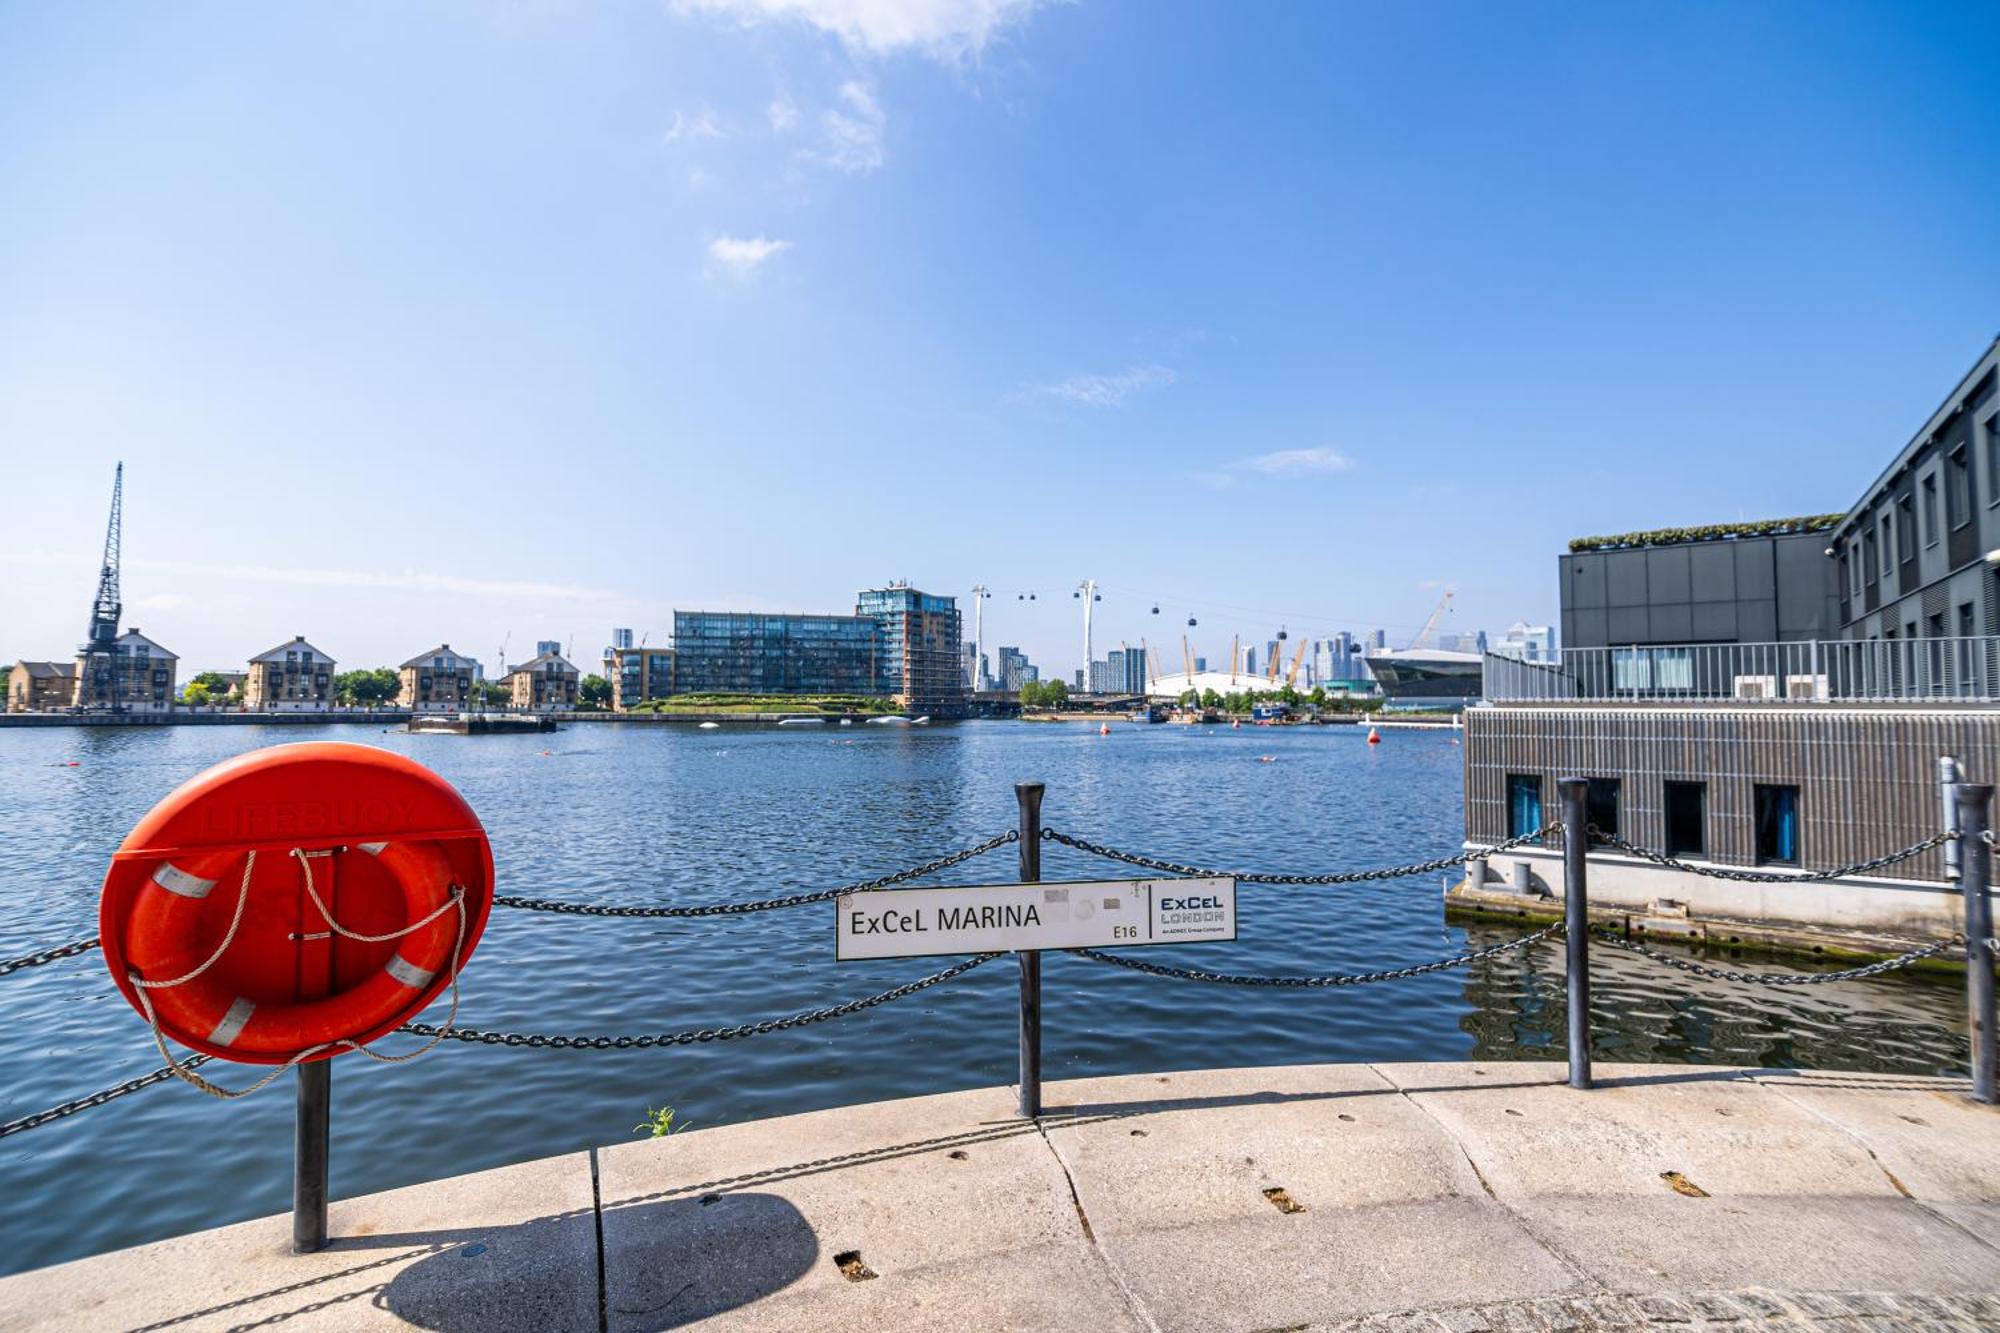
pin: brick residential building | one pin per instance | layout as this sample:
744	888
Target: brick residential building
40	687
544	683
293	677
438	681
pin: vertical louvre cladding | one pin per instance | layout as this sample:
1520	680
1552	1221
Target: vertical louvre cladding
1867	779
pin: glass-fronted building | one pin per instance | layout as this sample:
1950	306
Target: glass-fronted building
919	636
741	652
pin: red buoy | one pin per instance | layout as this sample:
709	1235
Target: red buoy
1374	736
296	900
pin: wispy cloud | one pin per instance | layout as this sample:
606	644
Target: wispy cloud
1282	462
948	30
740	256
1107	390
701	125
852	130
1300	460
407	580
783	113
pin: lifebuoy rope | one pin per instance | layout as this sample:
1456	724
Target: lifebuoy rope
186	1073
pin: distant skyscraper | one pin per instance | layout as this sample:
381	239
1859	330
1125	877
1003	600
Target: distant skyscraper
621	638
1379	639
1249	661
1076	681
546	647
1529	643
969	653
1200	665
1014	669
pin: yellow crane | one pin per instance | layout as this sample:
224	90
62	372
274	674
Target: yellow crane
1292	676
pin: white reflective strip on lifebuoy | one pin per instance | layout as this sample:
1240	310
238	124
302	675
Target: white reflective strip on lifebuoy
175	880
372	848
231	1026
407	972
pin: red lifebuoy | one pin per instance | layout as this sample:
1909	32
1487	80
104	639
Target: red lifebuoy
294	900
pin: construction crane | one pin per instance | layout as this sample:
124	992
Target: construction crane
1423	638
1292	676
99	684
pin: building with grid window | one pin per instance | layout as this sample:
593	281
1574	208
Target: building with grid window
638	675
1768	695
439	681
545	683
293	677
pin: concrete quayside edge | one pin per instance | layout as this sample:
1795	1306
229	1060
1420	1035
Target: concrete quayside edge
1447	1195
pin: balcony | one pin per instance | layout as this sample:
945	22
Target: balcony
1837	671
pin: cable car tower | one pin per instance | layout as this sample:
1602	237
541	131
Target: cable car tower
98	683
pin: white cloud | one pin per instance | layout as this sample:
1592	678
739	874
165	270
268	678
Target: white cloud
1300	460
162	601
944	29
701	125
853	131
1108	390
740	256
784	113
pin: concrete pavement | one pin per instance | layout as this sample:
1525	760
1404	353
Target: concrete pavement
1463	1196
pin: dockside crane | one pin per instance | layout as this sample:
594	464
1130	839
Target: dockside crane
99	685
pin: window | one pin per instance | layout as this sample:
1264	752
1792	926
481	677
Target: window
1687	818
1993	459
1600	805
1958	488
1888	544
1906	530
1930	510
1934	625
1965	621
1868	556
1524	804
1777	813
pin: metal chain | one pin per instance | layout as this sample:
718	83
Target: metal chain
1766	876
48	955
1781	978
1334	979
39	1118
760	904
1253	877
693	1035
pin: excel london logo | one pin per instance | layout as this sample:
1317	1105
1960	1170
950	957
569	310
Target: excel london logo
1192	909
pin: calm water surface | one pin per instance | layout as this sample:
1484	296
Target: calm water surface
631	814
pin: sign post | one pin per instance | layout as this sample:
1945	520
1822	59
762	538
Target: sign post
1029	794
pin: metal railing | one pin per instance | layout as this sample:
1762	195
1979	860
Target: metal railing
1810	671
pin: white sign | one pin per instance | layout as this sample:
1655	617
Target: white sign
985	918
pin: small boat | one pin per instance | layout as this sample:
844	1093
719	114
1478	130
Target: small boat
801	721
847	722
1104	728
923	721
710	726
888	721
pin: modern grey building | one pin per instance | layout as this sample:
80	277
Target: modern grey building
1772	694
1912	555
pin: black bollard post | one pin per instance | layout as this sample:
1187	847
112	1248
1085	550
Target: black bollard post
1576	924
309	1161
1975	863
1029	794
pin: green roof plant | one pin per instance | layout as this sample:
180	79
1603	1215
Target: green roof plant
1709	532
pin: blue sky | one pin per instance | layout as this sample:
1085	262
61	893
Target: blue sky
455	321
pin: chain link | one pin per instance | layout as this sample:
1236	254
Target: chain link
759	904
1253	877
694	1035
48	955
39	1118
1334	979
1781	978
1766	876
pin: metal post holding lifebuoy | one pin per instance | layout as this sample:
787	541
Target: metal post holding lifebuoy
1029	795
309	1159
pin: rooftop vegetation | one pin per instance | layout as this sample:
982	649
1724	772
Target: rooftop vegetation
1708	532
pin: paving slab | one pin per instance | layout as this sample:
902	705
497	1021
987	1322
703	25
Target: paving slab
1666	1176
954	1212
509	1249
1175	1174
